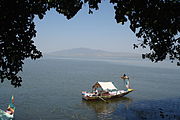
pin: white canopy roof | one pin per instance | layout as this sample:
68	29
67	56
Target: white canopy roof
105	85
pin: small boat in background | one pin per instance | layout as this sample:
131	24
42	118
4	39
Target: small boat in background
104	90
5	116
9	113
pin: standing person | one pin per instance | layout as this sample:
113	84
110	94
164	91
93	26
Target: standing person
126	81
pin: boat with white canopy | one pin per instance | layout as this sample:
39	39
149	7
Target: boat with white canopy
104	90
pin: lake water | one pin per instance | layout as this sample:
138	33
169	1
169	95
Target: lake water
51	90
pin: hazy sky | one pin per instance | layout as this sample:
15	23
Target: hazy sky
96	31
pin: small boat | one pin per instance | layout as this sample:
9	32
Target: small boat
104	90
5	115
9	113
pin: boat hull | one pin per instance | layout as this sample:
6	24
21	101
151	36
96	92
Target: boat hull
105	97
6	115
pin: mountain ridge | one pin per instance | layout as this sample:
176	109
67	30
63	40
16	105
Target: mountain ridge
88	52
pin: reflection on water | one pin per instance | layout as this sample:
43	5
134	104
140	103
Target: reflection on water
105	110
125	109
157	110
150	110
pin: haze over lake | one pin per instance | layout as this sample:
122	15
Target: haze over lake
51	90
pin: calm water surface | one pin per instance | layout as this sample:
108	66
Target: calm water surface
51	90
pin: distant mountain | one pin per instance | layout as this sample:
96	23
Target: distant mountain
86	52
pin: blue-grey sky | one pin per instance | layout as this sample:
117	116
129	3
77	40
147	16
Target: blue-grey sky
96	31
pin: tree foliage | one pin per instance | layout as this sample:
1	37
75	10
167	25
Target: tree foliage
155	22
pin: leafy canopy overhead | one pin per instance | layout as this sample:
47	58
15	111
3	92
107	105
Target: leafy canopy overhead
156	24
